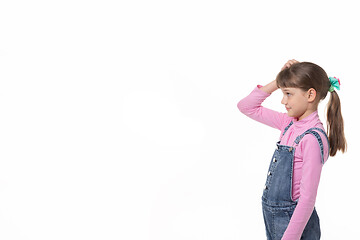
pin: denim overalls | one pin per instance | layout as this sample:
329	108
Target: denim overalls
277	203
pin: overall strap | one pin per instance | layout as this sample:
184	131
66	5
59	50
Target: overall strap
287	128
317	136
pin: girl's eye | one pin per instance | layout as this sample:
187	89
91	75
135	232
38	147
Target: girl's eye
288	94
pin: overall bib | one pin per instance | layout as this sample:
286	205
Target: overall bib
277	203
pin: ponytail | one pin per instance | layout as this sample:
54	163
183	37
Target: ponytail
335	125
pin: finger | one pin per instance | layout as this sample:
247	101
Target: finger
293	61
288	64
285	66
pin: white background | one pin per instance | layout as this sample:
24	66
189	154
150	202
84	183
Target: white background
119	119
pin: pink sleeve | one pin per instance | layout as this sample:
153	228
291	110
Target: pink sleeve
251	107
311	171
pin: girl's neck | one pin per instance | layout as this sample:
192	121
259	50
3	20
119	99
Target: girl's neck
306	114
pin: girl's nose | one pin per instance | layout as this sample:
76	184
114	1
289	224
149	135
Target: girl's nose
283	100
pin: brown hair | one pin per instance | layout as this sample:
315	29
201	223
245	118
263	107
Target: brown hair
306	75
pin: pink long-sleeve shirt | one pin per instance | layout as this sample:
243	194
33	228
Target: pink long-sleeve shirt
307	161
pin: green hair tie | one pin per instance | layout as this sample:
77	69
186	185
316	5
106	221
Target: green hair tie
335	83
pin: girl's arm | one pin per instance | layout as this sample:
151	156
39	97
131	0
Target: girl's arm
270	87
311	172
251	107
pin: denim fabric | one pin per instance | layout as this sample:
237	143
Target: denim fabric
277	203
277	219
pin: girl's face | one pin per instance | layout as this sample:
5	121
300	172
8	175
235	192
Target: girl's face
296	102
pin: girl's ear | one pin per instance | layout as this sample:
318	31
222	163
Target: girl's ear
311	95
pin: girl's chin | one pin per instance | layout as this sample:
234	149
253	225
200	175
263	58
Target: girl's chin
290	114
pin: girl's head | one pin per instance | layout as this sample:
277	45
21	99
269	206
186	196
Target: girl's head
304	85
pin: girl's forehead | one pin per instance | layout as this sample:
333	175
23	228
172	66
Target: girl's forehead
292	90
288	89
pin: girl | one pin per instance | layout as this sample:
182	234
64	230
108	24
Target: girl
288	199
